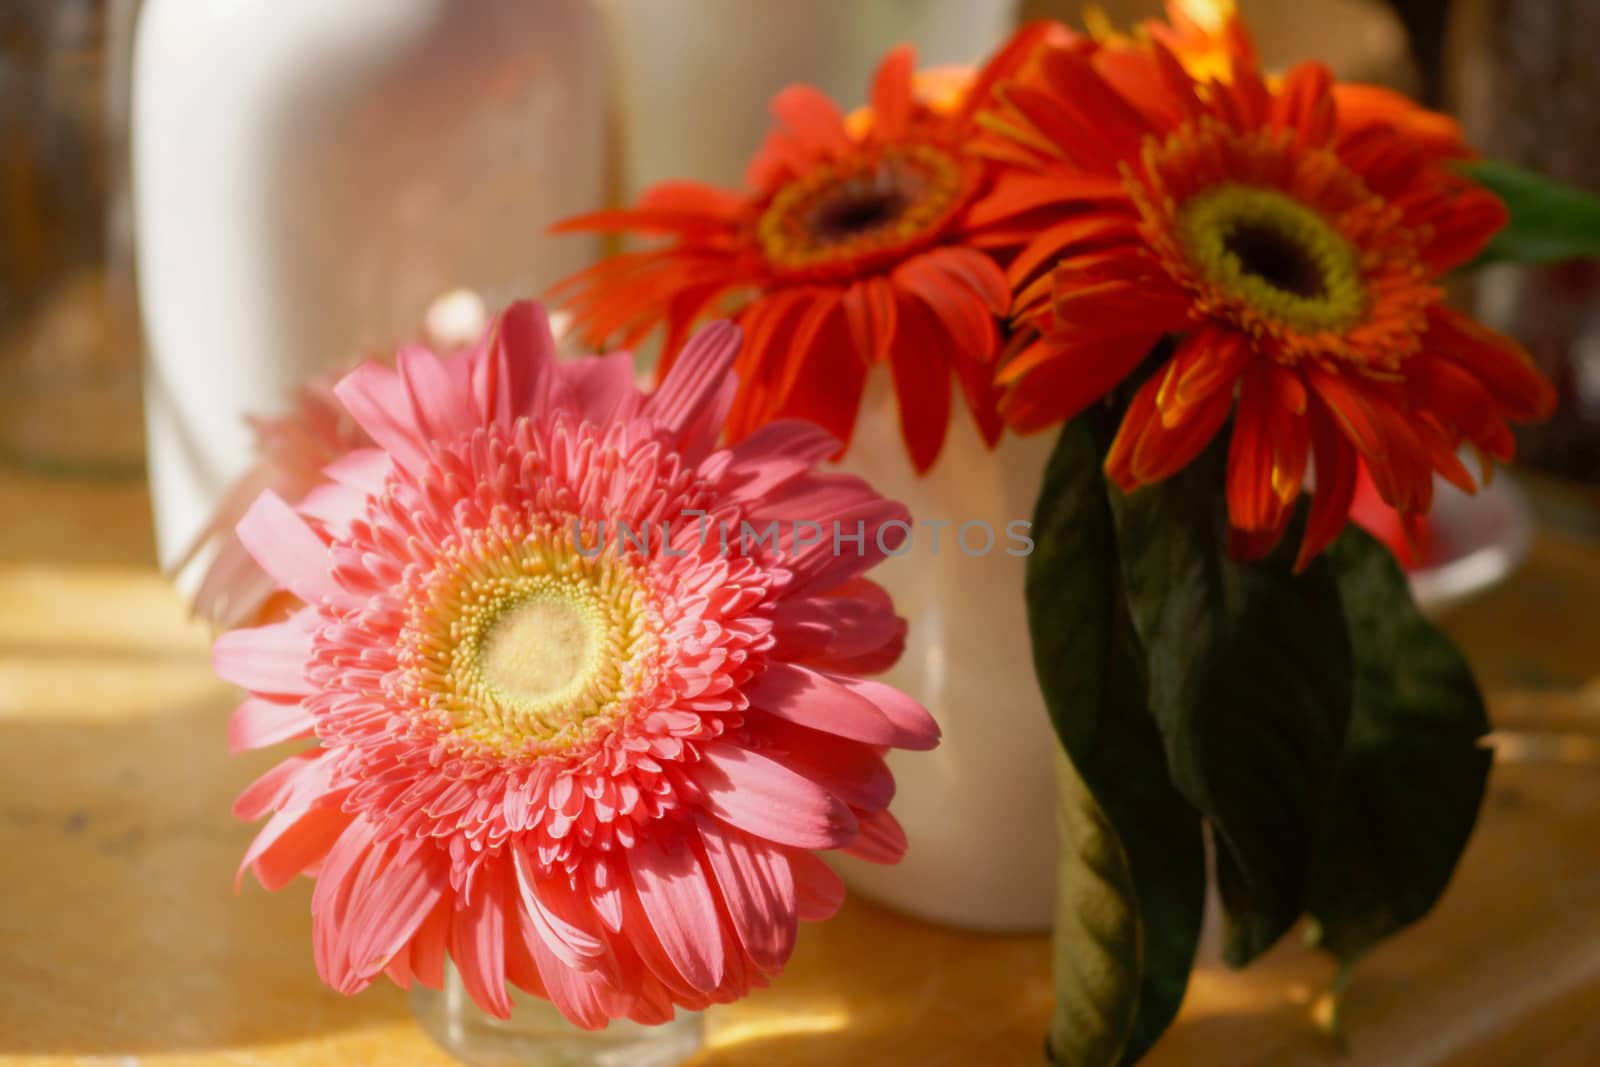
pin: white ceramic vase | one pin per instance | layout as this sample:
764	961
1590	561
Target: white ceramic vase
978	809
309	176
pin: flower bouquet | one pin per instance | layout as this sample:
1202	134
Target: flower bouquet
584	694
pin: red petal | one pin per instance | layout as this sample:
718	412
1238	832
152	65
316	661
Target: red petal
891	92
814	120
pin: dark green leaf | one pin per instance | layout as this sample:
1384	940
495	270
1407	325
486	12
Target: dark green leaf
1132	875
1550	222
1249	675
1414	769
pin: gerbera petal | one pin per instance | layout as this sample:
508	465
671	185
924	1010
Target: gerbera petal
882	840
776	453
853	772
478	946
441	407
398	900
287	549
575	947
810	698
430	945
677	900
376	398
693	400
870	310
921	373
815	120
1304	105
1266	459
291	842
829	630
1501	364
819	891
260	722
758	888
914	727
761	796
576	994
1060	377
829	393
520	353
603	387
267	659
891	92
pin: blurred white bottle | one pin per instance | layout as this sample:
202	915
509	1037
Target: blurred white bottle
308	176
978	811
693	77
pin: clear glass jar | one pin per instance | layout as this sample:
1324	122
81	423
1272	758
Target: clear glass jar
537	1035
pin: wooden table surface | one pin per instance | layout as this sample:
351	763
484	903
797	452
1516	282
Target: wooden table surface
122	942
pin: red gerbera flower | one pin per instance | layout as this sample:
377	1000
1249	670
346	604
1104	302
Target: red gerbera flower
850	249
1289	239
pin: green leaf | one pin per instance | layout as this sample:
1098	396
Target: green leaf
1131	885
1550	222
1414	769
1249	676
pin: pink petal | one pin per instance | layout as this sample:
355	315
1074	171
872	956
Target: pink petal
882	840
334	505
603	387
774	454
843	506
267	659
290	842
818	889
234	587
672	889
440	409
364	470
260	722
758	889
429	946
339	884
574	993
914	727
851	771
289	551
522	350
377	399
574	946
812	698
843	630
694	399
280	783
400	898
763	797
478	944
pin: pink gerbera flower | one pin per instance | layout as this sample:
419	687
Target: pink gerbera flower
593	768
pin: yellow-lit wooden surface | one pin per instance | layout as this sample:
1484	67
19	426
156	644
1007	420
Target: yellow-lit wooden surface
122	942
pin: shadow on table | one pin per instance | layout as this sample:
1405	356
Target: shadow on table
119	928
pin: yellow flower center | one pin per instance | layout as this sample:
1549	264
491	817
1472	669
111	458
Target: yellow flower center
852	210
1275	254
525	649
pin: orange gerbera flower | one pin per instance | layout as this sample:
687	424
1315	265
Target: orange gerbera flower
1287	243
849	250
